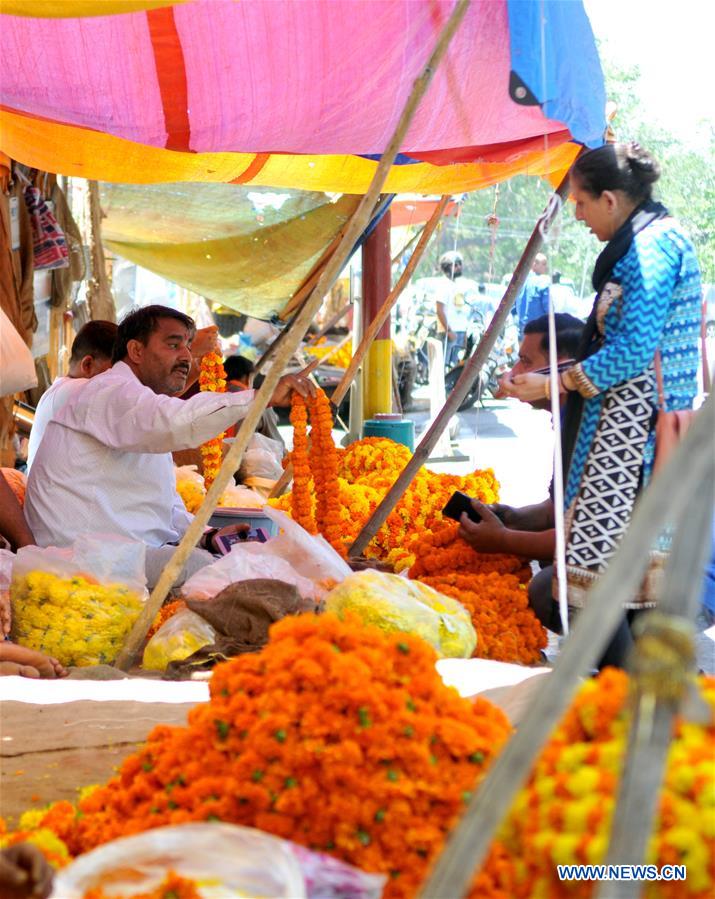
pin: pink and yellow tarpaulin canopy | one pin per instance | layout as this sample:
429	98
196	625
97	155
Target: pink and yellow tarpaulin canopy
246	248
295	94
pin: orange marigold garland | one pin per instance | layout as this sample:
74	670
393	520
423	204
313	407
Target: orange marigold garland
507	629
365	472
301	498
490	586
315	459
337	736
356	749
212	376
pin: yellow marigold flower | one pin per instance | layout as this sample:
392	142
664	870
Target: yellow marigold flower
583	782
30	819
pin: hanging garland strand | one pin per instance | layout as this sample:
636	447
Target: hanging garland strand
212	376
317	461
302	495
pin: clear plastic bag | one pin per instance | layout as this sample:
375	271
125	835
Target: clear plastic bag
78	603
178	638
223	859
393	603
262	459
311	556
309	563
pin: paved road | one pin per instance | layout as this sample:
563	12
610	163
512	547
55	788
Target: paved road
506	435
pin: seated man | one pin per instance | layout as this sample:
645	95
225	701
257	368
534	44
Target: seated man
105	466
91	354
527	531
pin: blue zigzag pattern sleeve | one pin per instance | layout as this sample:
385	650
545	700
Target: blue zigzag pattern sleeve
648	274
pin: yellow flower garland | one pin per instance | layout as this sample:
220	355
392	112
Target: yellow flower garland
212	376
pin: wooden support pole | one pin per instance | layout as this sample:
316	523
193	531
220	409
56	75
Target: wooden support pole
274	347
470	372
396	258
387	306
666	499
341	313
653	719
298	329
99	295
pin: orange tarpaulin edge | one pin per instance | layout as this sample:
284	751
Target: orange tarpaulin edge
80	152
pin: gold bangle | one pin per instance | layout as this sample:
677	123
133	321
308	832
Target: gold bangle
547	388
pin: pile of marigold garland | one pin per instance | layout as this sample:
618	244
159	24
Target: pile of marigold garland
375	768
564	815
336	490
337	736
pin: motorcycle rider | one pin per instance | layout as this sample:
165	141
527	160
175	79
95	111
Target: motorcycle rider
454	304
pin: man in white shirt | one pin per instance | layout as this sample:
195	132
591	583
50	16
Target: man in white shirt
454	309
91	354
105	466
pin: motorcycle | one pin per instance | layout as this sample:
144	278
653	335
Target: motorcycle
503	356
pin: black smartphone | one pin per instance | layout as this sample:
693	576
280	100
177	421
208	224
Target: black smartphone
459	502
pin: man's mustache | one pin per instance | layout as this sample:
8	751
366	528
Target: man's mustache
183	367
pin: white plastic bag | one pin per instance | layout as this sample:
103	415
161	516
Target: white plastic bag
224	860
17	367
262	459
238	496
78	603
178	638
242	565
106	557
311	556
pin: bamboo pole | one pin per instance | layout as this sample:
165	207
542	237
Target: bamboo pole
470	372
659	693
667	498
273	348
396	258
341	313
387	306
99	295
299	327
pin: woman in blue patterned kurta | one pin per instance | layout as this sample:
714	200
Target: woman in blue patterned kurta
648	299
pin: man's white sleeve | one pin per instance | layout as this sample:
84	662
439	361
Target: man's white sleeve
133	418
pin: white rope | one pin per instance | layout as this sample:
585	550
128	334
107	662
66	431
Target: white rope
554	207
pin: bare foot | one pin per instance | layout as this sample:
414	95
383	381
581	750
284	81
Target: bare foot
7	668
46	666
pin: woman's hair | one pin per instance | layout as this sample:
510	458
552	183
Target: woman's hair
627	167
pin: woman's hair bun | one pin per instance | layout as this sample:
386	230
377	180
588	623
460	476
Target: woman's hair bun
643	165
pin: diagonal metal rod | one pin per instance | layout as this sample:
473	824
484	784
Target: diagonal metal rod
665	499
